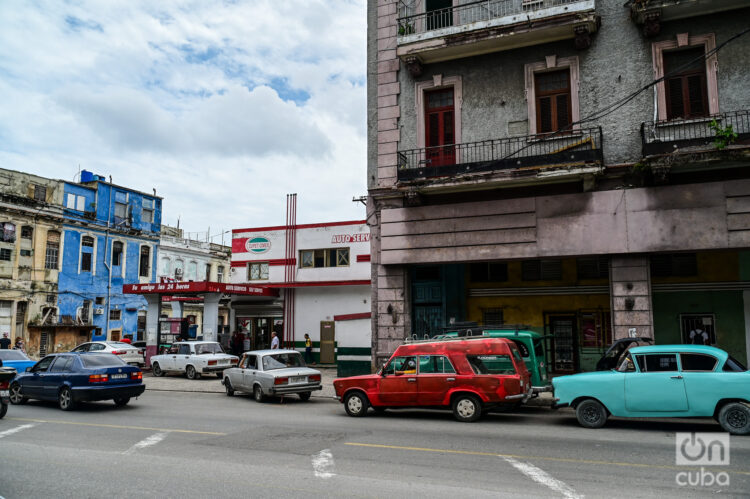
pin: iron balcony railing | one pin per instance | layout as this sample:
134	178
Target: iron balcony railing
663	137
530	152
410	22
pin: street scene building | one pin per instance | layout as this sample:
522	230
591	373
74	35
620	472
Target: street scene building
506	185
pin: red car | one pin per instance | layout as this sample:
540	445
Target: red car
467	375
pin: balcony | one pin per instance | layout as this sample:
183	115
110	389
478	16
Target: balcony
694	135
486	26
542	155
651	13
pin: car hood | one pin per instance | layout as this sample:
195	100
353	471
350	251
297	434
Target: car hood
293	371
354	378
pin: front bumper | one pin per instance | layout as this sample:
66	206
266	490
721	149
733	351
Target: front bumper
307	387
92	393
557	405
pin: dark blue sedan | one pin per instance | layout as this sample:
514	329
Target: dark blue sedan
69	378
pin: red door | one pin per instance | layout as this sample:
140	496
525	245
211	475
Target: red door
399	385
435	379
440	128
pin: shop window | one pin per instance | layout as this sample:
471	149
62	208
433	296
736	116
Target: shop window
52	250
595	267
698	329
115	315
145	261
488	272
87	253
595	328
685	83
257	271
8	234
27	232
6	254
541	270
40	193
117	249
674	265
492	317
334	257
147	214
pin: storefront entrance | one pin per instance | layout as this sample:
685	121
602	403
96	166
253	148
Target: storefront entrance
256	331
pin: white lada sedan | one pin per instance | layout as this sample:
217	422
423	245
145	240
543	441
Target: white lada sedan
272	373
193	358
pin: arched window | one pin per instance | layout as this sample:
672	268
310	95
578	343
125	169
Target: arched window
145	261
87	253
52	251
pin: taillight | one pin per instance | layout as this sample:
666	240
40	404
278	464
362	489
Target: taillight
119	352
234	360
314	377
136	375
212	362
281	381
98	378
4	384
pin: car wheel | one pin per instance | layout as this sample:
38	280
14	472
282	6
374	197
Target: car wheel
65	399
467	408
591	414
122	401
735	418
191	373
15	395
228	387
305	396
157	370
356	404
258	393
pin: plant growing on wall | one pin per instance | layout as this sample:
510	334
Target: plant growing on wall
405	29
725	135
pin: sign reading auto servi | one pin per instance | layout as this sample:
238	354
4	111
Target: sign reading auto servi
258	245
350	238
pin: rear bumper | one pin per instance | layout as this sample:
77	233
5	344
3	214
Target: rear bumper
523	397
283	390
215	369
88	393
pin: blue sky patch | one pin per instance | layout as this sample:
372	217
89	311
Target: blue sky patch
288	93
77	24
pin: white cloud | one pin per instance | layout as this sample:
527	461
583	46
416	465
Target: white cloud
222	107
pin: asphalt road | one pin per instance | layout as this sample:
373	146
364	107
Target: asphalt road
176	444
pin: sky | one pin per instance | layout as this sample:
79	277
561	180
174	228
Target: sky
222	107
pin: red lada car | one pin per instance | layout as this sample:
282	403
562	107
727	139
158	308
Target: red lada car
467	375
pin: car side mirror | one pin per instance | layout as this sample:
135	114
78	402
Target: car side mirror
28	369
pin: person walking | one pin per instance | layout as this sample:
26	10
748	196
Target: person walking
274	341
4	342
308	350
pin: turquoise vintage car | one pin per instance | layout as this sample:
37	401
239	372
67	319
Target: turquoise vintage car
662	381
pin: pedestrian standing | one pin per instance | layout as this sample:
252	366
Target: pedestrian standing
4	342
274	341
308	349
19	345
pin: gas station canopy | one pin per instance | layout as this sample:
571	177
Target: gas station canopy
196	288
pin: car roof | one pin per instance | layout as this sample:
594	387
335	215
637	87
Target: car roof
473	346
716	352
270	351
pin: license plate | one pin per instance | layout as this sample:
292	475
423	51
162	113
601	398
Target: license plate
118	376
4	393
297	379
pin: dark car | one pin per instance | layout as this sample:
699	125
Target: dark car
612	358
69	378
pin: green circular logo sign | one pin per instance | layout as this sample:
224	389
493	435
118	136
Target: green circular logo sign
258	245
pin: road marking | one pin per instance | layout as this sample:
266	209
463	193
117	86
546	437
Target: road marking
147	442
544	478
323	464
121	427
15	430
535	458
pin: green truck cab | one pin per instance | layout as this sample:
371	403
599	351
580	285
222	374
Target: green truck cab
530	345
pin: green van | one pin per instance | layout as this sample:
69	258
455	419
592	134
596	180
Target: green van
530	345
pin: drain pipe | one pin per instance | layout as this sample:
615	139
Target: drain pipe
106	262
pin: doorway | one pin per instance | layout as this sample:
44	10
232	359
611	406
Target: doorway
564	351
327	342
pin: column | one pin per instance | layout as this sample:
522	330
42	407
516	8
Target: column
153	312
211	316
746	303
630	296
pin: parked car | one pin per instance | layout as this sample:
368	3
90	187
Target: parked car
272	373
127	352
15	359
193	358
141	346
662	381
470	376
75	377
616	352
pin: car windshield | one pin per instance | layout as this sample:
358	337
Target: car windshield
203	348
94	361
12	355
282	361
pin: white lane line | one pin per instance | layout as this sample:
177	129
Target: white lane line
147	442
323	464
544	478
15	430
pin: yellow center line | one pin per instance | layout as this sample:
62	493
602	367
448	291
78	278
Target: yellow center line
121	427
531	458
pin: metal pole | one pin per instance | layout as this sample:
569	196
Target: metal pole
106	263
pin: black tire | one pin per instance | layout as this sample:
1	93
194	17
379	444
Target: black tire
65	399
191	373
467	408
591	414
15	395
305	396
3	410
356	404
228	388
122	401
258	394
734	418
156	370
219	375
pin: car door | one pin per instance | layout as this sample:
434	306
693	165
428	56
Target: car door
32	385
398	385
53	378
658	385
182	357
701	381
250	371
436	376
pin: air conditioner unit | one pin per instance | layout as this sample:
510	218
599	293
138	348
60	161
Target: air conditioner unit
98	311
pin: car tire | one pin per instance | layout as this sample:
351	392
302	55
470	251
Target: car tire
734	418
258	393
65	399
591	414
15	395
228	387
467	408
356	404
122	401
305	396
191	373
156	370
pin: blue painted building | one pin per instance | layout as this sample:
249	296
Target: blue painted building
110	238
